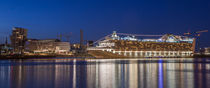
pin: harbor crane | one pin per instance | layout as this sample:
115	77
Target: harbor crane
65	35
198	33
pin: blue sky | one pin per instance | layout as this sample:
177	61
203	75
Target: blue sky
46	18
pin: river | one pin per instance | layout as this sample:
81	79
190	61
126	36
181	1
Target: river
106	73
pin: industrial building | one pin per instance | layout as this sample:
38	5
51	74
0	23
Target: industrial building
18	39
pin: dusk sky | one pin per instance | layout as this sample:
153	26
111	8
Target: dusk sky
46	18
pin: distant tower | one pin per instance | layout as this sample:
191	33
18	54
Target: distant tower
18	39
81	39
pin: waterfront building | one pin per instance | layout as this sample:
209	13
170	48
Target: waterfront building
18	39
48	46
75	46
207	51
62	47
5	49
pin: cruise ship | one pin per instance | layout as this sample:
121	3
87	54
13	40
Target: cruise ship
129	45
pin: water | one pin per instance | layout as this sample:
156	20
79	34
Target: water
105	73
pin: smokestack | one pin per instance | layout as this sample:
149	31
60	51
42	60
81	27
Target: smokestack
81	38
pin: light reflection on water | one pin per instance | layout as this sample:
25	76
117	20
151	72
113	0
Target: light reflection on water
105	73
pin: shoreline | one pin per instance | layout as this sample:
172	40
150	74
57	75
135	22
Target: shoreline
17	57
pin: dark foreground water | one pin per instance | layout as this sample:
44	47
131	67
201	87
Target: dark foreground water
105	73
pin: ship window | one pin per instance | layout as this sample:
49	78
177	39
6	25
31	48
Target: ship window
147	53
143	53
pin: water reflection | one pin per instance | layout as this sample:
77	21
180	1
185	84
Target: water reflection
105	73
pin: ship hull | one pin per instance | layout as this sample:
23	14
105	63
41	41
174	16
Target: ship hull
136	49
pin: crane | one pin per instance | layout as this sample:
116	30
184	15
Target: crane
59	36
65	35
197	33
